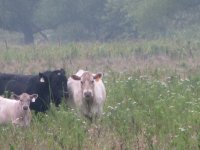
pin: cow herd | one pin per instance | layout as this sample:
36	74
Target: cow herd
83	91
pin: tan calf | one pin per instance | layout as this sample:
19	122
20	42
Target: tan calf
16	110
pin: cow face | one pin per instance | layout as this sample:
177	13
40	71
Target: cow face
87	81
58	84
41	85
25	100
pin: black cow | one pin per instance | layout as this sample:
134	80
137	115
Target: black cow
32	84
58	85
54	88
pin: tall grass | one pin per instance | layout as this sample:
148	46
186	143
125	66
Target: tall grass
153	102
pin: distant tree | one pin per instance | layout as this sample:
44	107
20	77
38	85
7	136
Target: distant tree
117	23
86	20
81	19
155	15
93	19
17	16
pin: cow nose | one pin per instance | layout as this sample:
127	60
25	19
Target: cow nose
88	94
25	107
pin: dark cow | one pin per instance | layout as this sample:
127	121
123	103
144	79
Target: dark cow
58	85
49	83
32	84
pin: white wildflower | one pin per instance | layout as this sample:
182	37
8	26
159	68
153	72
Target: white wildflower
164	84
182	129
134	103
130	78
118	103
110	107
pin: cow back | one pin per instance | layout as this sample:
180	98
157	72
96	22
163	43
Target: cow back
4	79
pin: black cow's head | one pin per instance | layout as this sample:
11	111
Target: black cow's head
58	85
42	83
39	84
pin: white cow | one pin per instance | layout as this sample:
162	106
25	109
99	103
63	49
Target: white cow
87	93
16	110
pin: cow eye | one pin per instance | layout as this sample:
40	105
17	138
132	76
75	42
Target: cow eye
92	81
82	82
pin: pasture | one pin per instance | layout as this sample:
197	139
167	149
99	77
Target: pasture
153	96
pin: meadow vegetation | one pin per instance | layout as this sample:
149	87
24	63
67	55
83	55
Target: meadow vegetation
153	96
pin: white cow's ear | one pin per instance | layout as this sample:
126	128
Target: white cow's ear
75	77
42	79
98	76
34	97
14	96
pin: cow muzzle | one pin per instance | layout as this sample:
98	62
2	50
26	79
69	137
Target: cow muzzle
25	107
88	94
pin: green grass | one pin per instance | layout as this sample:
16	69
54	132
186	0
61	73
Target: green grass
153	96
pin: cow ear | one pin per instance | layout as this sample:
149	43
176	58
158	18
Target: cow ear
33	97
14	96
75	77
98	76
42	79
62	71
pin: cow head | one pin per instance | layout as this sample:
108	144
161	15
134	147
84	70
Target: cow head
87	81
58	85
25	100
39	84
42	84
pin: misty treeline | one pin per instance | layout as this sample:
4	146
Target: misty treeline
103	20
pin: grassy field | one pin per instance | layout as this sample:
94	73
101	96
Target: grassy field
153	96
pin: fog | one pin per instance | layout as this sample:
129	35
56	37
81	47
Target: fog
38	21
